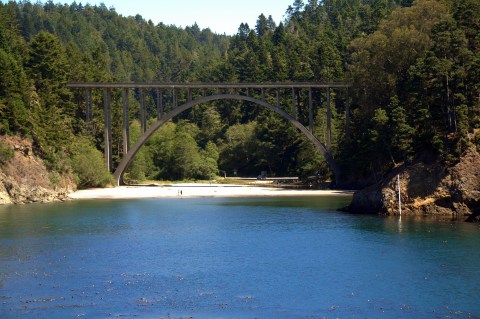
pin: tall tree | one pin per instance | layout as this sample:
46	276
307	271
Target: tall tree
47	66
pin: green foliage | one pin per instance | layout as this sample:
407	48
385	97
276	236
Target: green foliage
185	157
476	141
275	137
236	153
13	85
401	131
88	165
172	153
423	63
137	170
188	161
380	62
160	147
52	145
310	162
47	63
6	153
211	124
211	151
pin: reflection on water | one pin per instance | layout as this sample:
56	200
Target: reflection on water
233	258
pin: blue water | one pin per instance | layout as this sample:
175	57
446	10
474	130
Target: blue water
233	258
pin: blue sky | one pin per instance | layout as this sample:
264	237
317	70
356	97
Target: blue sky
221	16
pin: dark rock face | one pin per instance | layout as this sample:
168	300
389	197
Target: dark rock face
426	189
367	200
475	217
25	179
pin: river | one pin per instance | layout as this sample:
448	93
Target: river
233	258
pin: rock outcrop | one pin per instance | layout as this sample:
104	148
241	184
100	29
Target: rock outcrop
25	179
426	189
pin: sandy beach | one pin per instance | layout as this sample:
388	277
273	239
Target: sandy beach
196	190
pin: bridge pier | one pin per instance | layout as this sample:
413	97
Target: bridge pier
159	103
329	122
107	129
174	98
347	117
88	101
143	112
310	110
294	105
126	122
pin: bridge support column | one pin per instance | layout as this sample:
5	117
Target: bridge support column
126	120
294	106
108	129
310	110
174	99
88	100
329	122
159	104
143	113
347	117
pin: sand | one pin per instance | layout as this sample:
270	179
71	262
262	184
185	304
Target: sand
196	190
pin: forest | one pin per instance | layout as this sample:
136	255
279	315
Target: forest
413	66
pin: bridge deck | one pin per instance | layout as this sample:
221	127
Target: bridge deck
299	85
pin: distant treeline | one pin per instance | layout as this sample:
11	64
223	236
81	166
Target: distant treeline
414	67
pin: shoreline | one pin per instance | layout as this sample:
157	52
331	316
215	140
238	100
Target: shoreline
193	190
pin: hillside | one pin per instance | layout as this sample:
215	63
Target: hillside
25	179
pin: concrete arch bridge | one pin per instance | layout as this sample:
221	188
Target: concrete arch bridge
198	93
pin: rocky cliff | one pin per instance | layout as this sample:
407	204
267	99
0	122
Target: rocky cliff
427	189
25	179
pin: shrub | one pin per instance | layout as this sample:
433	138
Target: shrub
88	165
476	141
6	153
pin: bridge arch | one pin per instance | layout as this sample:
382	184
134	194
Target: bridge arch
127	158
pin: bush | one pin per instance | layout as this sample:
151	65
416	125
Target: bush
137	169
476	141
6	153
89	167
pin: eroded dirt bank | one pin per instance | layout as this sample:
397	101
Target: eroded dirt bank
25	179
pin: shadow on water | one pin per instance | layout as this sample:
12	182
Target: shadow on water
331	203
67	218
413	224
